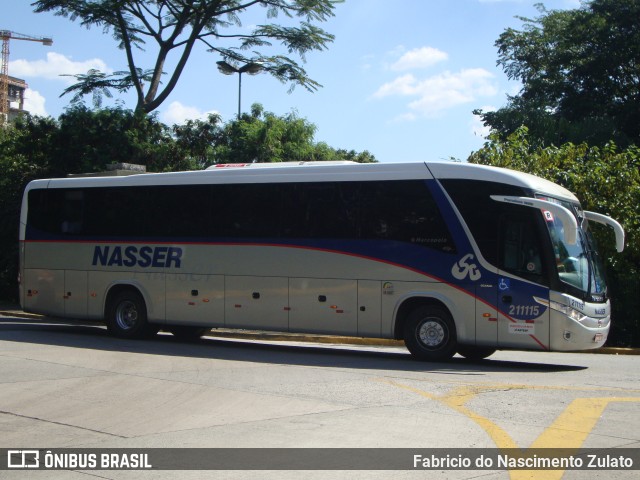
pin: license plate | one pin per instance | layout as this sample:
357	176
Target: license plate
598	337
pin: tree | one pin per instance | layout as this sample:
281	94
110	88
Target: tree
580	75
195	140
175	26
266	137
88	140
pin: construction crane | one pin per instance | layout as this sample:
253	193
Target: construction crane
7	35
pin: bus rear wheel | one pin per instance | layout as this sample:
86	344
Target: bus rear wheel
471	352
127	316
430	334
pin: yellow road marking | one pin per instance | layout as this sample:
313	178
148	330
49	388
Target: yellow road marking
575	423
568	431
481	387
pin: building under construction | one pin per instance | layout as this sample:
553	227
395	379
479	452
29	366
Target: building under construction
11	88
15	97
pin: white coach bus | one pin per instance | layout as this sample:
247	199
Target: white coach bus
450	257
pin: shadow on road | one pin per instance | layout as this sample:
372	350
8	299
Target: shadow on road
95	337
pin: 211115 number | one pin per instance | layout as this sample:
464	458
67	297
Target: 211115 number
525	310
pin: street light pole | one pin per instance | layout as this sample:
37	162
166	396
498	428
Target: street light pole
239	92
252	68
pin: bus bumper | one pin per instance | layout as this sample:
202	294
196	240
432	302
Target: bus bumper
568	334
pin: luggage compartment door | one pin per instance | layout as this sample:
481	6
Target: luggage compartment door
327	306
195	299
44	291
260	303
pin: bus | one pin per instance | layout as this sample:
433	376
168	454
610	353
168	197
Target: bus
449	257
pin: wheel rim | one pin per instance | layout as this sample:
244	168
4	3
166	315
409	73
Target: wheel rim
126	315
432	334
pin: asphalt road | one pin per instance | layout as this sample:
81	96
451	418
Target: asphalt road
73	386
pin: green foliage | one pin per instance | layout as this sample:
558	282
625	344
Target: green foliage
88	140
195	141
266	137
606	180
153	29
99	85
22	159
579	74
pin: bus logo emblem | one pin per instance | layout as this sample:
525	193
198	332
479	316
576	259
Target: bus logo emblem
463	268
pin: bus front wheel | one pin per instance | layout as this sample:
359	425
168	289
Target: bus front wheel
430	334
127	316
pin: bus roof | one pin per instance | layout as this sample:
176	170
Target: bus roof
320	171
471	171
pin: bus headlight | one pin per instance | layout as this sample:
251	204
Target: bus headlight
572	313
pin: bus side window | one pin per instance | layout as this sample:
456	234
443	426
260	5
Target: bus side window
320	210
520	246
45	211
404	211
72	213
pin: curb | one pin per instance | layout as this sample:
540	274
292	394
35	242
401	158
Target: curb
21	314
299	337
296	337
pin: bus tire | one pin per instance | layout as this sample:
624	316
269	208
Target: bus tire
127	316
471	352
430	334
185	333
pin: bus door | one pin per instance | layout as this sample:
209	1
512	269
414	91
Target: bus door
523	317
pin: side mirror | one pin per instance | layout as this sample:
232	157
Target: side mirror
617	228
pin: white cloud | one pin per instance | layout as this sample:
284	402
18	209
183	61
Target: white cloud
177	113
441	92
404	85
419	58
34	102
55	65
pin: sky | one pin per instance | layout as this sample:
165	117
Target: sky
400	80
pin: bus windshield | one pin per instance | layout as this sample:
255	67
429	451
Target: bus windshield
578	265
